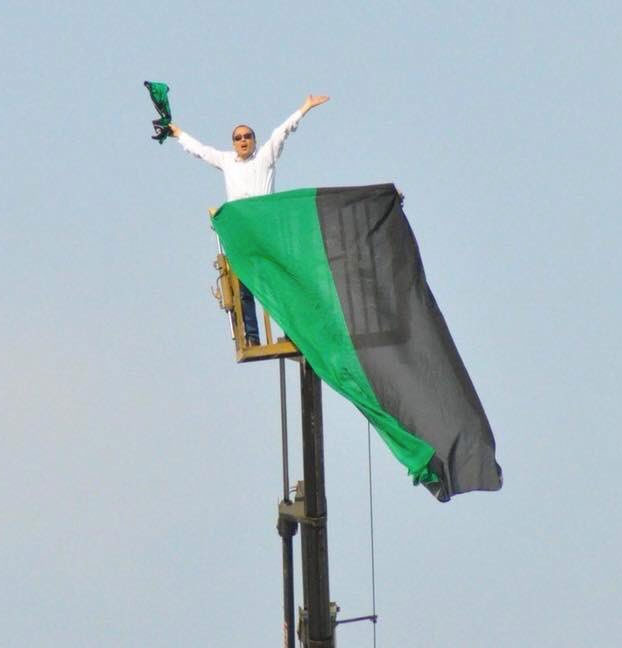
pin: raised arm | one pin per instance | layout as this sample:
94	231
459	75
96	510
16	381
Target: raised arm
274	146
207	153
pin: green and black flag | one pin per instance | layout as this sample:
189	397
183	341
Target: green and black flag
339	270
159	95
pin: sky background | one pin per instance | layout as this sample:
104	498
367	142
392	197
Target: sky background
141	466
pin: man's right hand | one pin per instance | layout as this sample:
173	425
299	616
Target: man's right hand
175	130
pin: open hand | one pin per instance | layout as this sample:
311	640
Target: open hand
312	101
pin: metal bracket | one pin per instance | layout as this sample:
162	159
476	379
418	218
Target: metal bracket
370	617
295	511
303	618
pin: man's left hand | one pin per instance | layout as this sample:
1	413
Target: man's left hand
313	101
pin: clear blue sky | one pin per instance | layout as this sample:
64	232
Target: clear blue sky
141	467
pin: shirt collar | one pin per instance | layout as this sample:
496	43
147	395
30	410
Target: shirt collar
237	158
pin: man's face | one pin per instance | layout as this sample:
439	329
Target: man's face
244	142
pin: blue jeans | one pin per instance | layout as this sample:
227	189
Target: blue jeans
248	314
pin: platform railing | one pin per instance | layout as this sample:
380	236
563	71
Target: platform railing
227	292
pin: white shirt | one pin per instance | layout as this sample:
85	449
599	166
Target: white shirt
253	176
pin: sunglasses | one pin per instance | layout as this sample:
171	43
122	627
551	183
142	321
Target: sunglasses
246	136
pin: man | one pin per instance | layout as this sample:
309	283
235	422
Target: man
248	172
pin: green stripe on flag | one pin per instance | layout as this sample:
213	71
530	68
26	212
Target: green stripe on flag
275	245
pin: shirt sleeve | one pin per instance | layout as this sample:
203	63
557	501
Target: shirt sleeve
273	148
207	153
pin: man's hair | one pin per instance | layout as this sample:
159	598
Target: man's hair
242	126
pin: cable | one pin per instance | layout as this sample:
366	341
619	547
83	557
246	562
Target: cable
371	532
